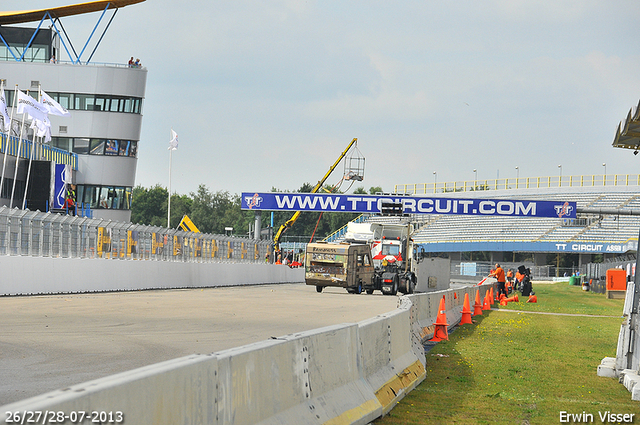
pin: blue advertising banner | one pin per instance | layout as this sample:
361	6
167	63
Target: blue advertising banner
61	176
273	201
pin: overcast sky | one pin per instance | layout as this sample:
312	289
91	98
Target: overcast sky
268	93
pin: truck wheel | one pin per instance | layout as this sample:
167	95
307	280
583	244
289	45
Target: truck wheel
369	291
394	290
319	288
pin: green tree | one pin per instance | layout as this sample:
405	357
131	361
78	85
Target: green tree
180	205
360	191
149	206
374	189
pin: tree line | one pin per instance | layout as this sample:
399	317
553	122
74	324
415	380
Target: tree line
213	211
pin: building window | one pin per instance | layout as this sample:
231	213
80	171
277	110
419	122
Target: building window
111	147
86	146
105	197
81	145
97	147
88	102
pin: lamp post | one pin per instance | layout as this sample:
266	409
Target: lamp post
475	179
435	181
560	179
517	175
604	178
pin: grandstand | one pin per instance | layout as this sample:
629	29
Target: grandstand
592	232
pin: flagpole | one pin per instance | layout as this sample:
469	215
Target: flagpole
26	185
15	174
33	148
169	203
6	145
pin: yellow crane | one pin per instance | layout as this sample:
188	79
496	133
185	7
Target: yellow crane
292	220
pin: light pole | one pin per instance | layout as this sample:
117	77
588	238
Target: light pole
604	178
517	175
560	179
435	181
475	177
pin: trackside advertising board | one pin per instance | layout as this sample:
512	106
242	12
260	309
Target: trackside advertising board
273	201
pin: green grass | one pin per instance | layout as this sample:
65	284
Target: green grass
519	368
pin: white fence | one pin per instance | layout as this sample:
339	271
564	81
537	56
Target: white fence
36	234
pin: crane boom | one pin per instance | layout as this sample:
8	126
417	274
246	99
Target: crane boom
292	220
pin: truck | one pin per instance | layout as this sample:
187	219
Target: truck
345	265
390	250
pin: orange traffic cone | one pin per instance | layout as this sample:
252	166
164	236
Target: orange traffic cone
486	304
532	299
504	300
501	297
441	331
466	311
492	298
477	306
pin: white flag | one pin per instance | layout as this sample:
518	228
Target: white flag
4	112
173	143
53	107
35	109
42	128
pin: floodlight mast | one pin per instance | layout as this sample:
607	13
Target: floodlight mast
292	220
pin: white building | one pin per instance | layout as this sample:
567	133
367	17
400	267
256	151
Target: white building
105	102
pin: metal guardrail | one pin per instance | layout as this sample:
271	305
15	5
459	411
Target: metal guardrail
37	234
597	180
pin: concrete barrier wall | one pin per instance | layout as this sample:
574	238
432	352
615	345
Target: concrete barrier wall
45	275
343	374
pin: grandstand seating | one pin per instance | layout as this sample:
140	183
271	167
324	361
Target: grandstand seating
587	228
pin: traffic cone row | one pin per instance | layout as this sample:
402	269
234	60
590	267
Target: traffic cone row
441	326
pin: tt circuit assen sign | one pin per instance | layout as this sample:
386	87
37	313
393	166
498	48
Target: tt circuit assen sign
272	201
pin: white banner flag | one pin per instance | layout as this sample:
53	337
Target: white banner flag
53	107
4	111
35	109
42	128
173	143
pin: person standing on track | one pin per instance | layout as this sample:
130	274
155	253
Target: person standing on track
498	273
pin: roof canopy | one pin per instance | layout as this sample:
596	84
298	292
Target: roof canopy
74	9
628	132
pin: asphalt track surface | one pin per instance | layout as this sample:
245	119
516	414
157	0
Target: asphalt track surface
49	342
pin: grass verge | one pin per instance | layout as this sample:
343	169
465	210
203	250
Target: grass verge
513	367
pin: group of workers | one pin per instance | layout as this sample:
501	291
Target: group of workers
506	283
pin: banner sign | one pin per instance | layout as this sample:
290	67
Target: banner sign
61	176
273	201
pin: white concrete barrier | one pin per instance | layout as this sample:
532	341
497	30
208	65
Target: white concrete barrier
343	374
45	275
390	365
179	391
